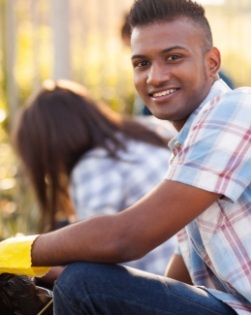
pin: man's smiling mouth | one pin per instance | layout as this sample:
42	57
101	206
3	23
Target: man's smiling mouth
163	93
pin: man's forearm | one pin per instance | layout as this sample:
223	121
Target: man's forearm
88	240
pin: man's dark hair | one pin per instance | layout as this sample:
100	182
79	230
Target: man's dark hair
145	12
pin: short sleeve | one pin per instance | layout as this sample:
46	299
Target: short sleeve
216	155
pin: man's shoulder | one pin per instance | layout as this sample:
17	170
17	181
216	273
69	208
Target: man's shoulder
243	90
237	96
220	91
223	107
240	96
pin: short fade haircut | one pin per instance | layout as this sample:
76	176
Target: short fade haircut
146	12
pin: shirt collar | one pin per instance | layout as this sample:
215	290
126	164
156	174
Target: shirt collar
219	87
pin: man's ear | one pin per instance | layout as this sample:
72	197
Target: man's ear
214	61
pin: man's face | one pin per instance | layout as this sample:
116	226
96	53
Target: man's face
172	71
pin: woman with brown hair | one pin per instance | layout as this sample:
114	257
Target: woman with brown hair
81	155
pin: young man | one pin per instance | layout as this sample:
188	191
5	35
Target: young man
205	197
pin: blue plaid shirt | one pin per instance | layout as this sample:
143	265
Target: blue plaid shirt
103	185
213	152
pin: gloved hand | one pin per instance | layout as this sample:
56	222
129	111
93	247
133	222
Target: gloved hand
15	257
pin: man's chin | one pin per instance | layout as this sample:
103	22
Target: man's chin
159	115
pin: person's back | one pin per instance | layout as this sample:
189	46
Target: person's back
116	184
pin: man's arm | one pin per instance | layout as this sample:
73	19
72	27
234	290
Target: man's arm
127	235
176	269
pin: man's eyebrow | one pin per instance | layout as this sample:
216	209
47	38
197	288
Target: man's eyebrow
138	56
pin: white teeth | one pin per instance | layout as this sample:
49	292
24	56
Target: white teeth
163	93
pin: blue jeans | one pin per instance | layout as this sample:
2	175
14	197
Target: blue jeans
88	288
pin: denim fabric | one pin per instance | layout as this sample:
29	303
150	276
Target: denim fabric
88	288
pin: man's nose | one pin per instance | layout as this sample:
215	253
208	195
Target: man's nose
157	74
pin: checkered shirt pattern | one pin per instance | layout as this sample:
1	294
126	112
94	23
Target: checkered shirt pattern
103	185
213	152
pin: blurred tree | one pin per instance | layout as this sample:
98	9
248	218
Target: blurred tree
9	56
61	39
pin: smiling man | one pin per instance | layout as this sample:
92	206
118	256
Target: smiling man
205	197
174	63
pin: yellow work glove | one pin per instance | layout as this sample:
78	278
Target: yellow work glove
15	257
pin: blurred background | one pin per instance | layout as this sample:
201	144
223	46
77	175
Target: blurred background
80	40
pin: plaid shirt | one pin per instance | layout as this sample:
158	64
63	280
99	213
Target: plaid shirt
213	152
104	185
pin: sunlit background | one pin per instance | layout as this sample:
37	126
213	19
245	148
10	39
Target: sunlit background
80	40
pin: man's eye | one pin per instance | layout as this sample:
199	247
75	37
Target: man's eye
141	64
173	57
